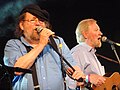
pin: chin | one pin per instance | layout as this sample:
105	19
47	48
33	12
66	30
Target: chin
35	38
99	45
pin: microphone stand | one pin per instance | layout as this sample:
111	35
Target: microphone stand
9	73
113	48
80	79
52	44
87	85
4	74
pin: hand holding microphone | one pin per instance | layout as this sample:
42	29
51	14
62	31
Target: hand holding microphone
44	34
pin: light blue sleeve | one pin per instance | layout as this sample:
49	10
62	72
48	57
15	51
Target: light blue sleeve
13	50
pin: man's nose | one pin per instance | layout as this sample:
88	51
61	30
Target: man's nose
37	23
101	33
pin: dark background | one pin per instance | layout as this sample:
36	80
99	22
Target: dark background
65	15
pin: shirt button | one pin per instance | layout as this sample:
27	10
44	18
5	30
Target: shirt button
44	78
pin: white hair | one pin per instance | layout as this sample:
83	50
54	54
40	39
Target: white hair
81	27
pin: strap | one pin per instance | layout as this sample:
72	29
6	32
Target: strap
34	74
106	58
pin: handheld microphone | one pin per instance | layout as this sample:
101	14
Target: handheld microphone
38	29
104	39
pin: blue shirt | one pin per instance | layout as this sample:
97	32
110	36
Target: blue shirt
48	65
87	60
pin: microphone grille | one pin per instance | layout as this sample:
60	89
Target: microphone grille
39	29
104	38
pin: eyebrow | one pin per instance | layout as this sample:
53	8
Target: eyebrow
34	17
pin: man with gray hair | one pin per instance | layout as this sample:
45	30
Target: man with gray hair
88	36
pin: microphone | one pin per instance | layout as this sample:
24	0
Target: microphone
51	40
38	29
105	39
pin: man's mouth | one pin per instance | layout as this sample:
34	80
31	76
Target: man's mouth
99	38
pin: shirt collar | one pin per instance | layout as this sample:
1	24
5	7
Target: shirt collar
24	41
89	48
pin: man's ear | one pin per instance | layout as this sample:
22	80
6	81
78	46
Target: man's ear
21	25
85	34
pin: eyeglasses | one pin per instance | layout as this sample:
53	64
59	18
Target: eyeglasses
33	20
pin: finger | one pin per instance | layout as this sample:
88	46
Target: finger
80	83
77	75
70	71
